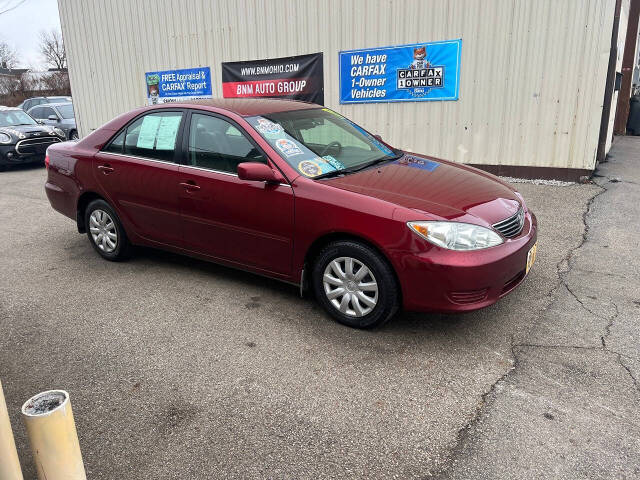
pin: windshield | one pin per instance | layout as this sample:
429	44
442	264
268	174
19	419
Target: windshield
65	110
319	142
10	118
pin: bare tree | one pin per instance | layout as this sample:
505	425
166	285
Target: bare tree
52	49
8	85
8	56
57	82
8	5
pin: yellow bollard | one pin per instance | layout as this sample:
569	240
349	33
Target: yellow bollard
53	437
9	463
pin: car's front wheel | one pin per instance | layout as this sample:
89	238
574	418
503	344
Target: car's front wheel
355	284
105	231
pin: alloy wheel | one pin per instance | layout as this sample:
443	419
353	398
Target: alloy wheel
350	286
103	231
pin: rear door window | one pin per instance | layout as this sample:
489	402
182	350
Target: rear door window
153	136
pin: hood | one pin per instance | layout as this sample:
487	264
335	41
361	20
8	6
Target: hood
20	132
435	187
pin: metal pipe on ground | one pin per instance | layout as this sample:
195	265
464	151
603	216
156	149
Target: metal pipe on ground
53	437
9	462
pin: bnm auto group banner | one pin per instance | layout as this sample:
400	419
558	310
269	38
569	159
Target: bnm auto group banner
405	73
297	77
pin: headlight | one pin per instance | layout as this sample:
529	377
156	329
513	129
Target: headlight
5	138
58	132
456	236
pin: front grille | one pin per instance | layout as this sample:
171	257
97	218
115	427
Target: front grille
35	146
512	226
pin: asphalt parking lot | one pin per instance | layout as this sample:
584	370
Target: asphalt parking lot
182	369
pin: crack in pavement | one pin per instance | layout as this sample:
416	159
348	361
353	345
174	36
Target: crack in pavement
563	268
635	380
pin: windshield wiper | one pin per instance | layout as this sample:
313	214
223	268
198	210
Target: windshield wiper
332	173
357	168
372	163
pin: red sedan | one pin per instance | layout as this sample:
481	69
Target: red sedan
299	193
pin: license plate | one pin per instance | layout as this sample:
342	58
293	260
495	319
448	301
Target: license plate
531	256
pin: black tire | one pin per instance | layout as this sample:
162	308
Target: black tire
122	250
388	294
73	135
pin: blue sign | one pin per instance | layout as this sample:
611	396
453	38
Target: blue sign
406	73
175	85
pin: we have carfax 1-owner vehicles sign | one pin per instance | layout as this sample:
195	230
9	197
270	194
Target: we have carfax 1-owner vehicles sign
405	73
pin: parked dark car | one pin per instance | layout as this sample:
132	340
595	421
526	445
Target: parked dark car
633	120
299	193
33	101
57	115
22	139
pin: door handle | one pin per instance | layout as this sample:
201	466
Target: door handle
106	169
190	186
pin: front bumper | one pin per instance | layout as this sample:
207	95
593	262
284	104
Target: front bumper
440	280
27	150
9	156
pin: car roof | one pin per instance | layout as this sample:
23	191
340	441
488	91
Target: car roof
58	104
247	107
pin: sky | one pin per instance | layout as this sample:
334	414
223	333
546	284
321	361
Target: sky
21	27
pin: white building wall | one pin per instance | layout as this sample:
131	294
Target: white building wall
532	73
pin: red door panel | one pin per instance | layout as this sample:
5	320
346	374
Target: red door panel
241	221
144	192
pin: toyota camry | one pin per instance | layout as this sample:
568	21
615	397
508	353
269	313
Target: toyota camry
299	193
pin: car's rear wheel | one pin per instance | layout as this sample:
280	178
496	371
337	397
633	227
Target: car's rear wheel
355	284
105	231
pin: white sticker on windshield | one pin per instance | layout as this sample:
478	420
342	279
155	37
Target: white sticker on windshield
269	129
288	147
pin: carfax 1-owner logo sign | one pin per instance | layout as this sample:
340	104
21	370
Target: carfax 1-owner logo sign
405	73
174	85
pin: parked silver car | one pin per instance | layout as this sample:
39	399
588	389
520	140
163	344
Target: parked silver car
57	115
33	101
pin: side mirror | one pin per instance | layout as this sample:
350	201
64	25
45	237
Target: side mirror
53	117
258	172
41	122
378	137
